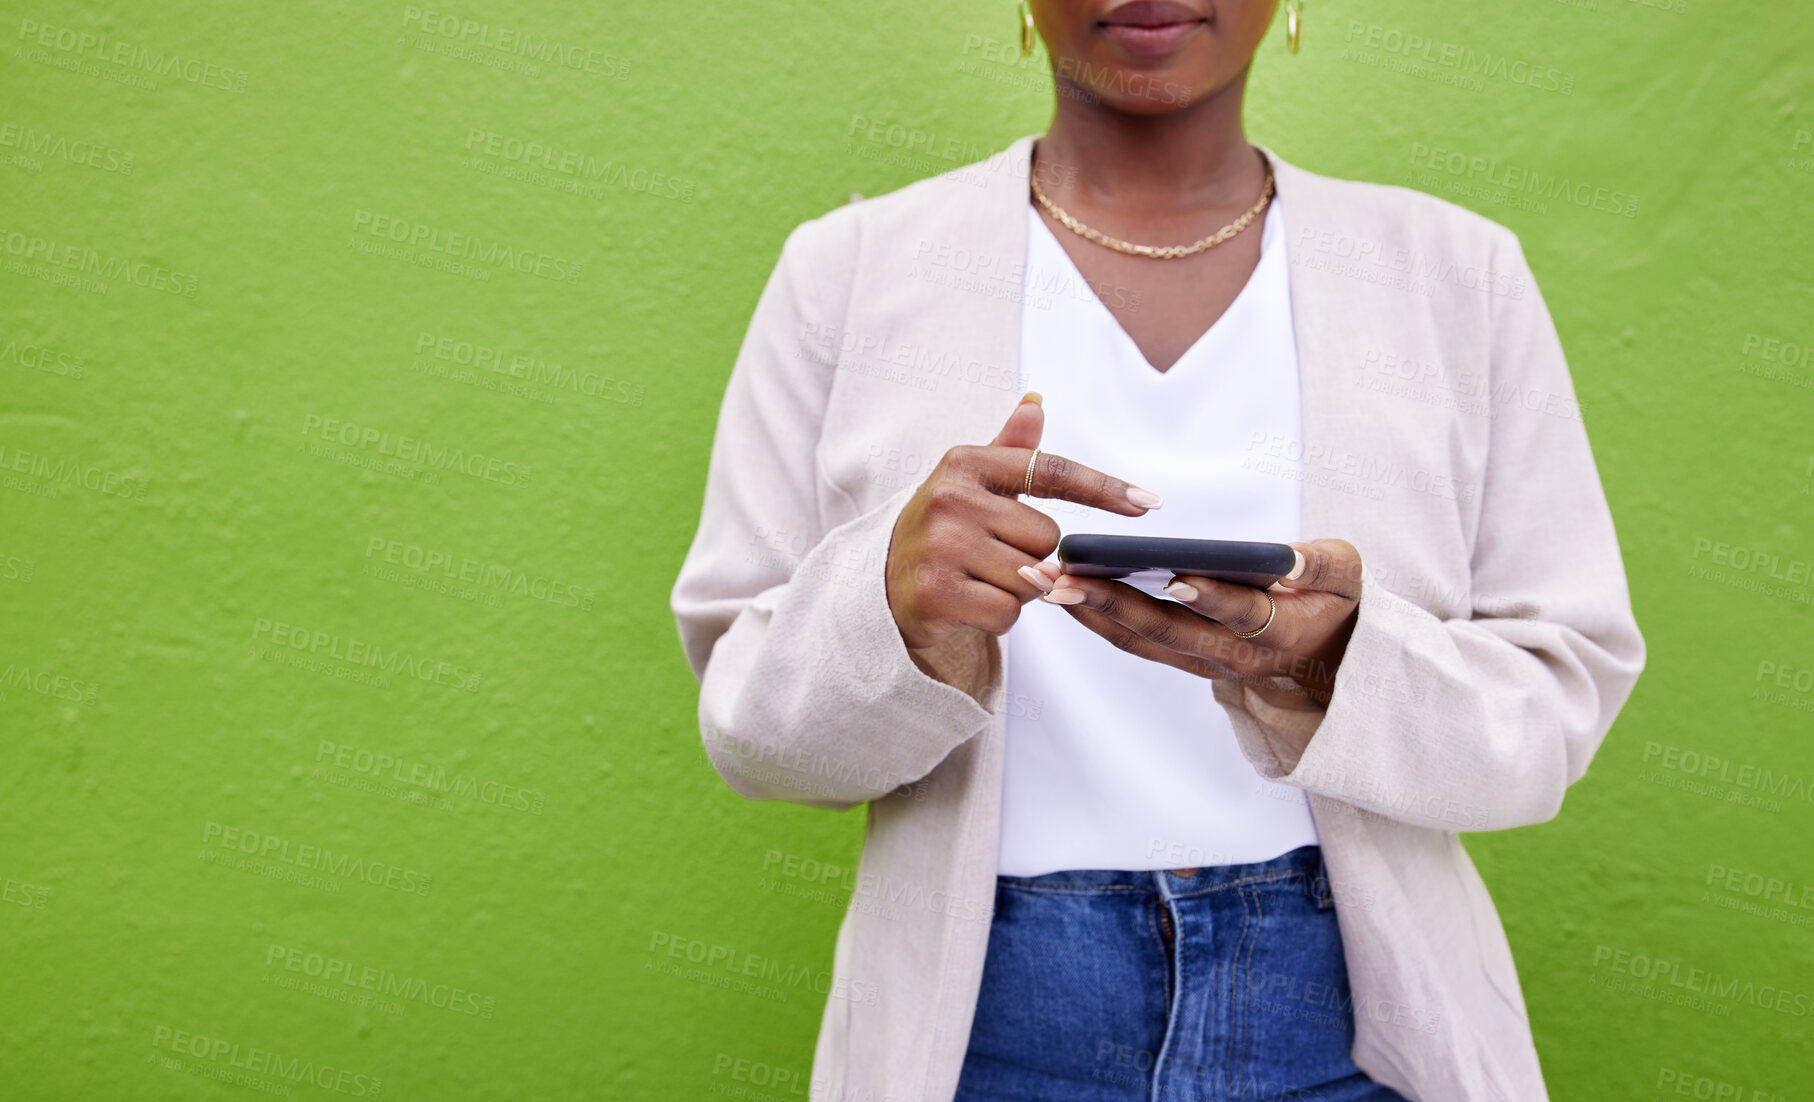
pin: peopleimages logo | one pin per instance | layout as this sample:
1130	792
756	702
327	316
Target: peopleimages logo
364	653
429	778
39	357
413	449
1519	178
509	40
1460	58
270	847
579	166
127	55
527	368
381	981
31	247
1366	255
264	1061
488	576
419	235
45	683
1659	975
64	471
53	146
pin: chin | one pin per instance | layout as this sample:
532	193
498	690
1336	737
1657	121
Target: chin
1131	90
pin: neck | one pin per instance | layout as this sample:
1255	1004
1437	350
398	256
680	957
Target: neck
1194	157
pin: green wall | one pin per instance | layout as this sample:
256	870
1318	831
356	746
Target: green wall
228	402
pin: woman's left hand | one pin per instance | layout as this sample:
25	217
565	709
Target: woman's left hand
1316	609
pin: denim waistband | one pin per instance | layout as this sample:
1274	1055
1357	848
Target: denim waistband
1302	865
1226	983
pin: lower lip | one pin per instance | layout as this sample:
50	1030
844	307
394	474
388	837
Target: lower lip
1150	41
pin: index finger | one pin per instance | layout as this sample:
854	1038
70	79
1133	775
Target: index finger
1054	476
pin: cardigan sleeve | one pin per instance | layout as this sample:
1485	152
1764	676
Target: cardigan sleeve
1478	723
807	691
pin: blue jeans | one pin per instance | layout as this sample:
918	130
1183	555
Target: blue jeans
1196	985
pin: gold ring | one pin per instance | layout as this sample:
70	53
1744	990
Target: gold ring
1034	458
1264	626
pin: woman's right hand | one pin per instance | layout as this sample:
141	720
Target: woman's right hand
965	551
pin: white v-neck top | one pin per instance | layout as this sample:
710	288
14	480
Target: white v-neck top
1114	761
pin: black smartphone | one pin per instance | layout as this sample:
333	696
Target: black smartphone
1148	562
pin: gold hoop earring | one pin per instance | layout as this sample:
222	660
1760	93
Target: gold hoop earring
1026	30
1294	22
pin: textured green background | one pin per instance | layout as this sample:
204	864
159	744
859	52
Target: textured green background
580	823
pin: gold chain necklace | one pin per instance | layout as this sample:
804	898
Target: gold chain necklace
1160	252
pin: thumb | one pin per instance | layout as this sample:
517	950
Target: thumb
1024	425
1328	566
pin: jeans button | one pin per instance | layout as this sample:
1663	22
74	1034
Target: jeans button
1186	873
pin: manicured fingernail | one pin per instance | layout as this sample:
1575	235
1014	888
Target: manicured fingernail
1033	396
1146	499
1036	579
1183	591
1297	567
1064	595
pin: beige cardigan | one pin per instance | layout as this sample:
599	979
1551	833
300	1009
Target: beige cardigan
1493	647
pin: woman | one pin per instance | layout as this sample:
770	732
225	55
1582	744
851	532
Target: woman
1124	845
